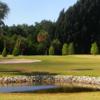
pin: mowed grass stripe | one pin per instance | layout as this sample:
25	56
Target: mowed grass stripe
65	65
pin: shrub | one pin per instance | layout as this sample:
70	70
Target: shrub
71	49
15	51
65	49
17	47
94	49
4	52
51	50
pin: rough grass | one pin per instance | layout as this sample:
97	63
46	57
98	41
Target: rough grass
66	65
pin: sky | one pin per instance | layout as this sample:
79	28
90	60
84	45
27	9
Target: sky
31	11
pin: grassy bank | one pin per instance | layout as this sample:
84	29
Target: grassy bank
59	96
66	65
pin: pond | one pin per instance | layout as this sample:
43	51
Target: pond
44	87
25	87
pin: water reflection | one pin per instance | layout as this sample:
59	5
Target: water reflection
22	87
47	87
79	85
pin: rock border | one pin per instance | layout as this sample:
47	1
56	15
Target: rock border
82	81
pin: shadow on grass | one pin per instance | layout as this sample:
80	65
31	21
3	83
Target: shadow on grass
20	72
64	90
85	69
34	73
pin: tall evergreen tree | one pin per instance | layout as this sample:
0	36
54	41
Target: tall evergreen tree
59	31
83	27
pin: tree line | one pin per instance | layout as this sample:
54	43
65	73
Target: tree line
76	31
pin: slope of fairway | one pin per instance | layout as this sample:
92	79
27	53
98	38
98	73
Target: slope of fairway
67	65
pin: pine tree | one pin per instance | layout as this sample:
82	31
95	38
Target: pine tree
65	49
94	49
51	50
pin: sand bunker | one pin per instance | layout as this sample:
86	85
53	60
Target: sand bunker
16	61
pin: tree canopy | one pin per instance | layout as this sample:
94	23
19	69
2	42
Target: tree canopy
3	11
78	25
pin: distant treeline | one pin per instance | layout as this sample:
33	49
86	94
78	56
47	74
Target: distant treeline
76	31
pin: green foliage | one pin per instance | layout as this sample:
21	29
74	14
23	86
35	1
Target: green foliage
41	49
15	52
18	42
71	48
16	49
65	49
4	52
57	46
56	43
3	10
60	25
42	36
94	49
82	28
51	50
79	27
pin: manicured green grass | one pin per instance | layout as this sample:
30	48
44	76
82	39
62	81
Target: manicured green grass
62	96
66	65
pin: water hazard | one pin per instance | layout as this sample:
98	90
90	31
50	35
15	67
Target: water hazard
35	87
25	87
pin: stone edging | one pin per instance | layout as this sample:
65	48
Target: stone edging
61	79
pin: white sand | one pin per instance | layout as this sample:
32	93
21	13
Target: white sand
16	61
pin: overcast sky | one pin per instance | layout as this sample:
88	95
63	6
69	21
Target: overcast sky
31	11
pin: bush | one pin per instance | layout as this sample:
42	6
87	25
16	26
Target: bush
4	52
71	49
51	50
94	49
65	49
15	52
